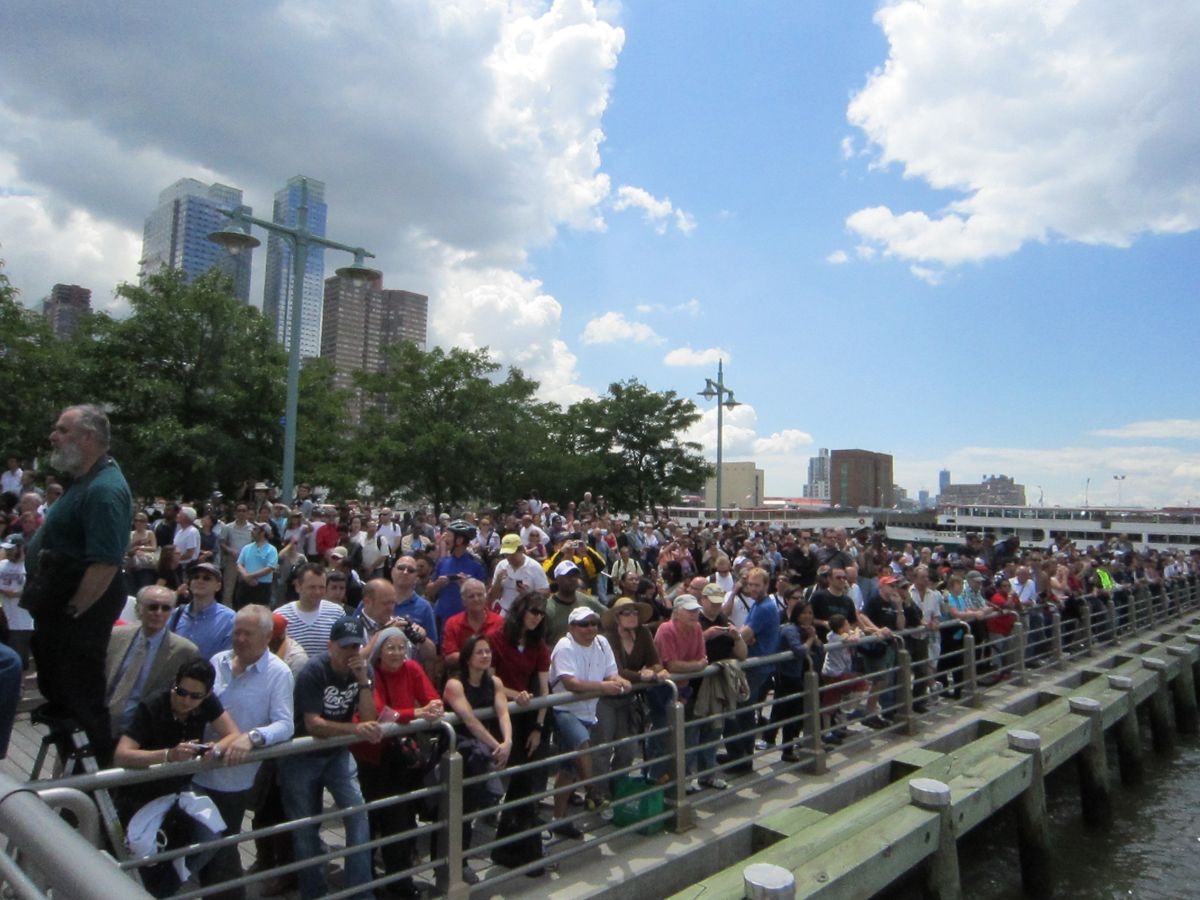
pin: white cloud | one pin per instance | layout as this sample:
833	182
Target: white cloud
926	274
847	147
689	307
686	356
1155	429
783	443
613	327
656	212
1054	119
837	258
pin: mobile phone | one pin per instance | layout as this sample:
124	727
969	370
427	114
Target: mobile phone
202	748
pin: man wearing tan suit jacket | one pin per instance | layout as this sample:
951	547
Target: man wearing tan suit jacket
142	659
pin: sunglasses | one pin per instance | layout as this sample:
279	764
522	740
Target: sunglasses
404	569
536	612
590	624
157	607
190	695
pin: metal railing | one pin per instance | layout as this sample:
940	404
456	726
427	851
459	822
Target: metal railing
899	691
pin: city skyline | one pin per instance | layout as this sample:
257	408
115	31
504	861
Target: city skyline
962	235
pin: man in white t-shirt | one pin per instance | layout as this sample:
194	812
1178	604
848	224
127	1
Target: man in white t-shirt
187	537
582	662
10	479
310	617
12	582
515	574
389	529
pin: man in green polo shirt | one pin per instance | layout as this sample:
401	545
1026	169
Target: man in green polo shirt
78	551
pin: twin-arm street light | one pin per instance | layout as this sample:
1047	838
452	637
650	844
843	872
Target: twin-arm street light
236	237
724	397
1120	480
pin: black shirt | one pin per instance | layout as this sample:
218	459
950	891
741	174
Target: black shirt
721	646
155	727
321	690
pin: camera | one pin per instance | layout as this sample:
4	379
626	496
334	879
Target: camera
410	632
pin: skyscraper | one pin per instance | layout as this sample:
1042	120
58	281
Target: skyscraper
361	321
176	234
64	307
943	480
818	476
277	289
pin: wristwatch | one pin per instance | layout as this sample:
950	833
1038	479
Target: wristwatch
257	738
366	685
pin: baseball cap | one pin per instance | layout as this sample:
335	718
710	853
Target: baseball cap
713	591
510	543
564	568
348	631
582	614
687	602
339	553
205	567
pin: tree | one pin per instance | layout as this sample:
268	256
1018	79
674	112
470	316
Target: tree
639	435
437	426
324	437
194	383
36	372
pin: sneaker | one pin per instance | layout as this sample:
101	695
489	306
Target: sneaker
595	803
717	783
856	714
693	787
877	722
606	814
760	744
567	830
789	756
831	737
468	875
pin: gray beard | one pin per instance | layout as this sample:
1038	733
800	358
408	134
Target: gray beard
67	458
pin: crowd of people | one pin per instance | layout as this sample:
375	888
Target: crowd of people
243	624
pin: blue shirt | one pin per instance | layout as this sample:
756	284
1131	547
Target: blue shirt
449	598
417	609
210	629
261	697
763	620
253	557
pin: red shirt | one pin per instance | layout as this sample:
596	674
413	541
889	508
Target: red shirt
675	644
515	667
458	629
327	538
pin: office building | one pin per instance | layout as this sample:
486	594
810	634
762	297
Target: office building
176	234
817	487
992	490
277	287
861	478
742	486
65	306
360	322
943	480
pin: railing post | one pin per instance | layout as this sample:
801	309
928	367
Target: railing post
812	722
685	816
970	672
907	713
1018	632
1151	615
450	811
1056	637
1085	620
1133	616
1111	608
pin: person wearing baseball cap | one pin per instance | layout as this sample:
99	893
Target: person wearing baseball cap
203	620
334	696
515	574
566	599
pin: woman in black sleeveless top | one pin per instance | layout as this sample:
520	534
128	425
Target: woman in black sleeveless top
484	745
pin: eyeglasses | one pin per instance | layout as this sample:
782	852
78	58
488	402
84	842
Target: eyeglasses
536	612
404	569
591	623
632	611
157	607
189	695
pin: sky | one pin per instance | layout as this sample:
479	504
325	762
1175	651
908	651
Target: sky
963	232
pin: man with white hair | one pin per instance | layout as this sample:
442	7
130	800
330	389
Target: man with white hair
187	537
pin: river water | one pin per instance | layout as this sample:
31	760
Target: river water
1152	849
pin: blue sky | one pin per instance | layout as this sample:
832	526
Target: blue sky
964	234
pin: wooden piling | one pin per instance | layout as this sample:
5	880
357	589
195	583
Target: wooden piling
1033	832
1183	691
1129	733
1162	716
1093	765
943	881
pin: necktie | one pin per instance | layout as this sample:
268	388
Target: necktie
119	698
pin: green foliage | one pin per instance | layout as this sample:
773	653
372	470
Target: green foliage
637	433
194	383
324	440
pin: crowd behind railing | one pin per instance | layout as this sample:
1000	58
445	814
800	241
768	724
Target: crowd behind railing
486	696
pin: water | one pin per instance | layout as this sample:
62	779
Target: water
1151	851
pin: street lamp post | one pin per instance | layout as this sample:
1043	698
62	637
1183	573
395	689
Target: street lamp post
1119	479
724	397
236	237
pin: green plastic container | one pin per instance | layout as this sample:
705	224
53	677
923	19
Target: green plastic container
630	812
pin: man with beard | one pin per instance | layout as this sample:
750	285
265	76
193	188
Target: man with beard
73	590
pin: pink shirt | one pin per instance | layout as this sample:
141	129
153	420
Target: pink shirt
673	643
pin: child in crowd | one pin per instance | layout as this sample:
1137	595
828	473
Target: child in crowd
838	676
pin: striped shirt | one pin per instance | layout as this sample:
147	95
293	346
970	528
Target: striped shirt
311	629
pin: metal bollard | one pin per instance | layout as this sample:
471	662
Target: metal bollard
685	816
763	881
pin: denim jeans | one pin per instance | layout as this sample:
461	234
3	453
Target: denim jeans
741	745
301	780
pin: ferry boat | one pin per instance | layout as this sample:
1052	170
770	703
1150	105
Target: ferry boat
1173	529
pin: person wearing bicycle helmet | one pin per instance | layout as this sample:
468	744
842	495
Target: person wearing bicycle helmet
452	570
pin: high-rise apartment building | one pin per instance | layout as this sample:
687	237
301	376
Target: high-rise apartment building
943	480
361	321
277	289
861	478
817	487
65	306
176	234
